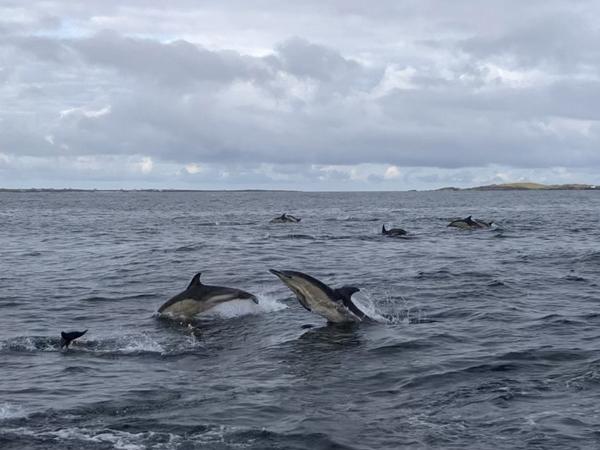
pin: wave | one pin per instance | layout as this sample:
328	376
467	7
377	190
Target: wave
198	436
292	236
352	219
11	411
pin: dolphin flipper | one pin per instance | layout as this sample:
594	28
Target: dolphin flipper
303	302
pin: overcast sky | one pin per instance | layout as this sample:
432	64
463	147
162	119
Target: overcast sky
314	95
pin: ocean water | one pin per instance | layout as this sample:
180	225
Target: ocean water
493	341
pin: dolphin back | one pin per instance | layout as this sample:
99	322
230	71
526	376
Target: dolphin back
199	297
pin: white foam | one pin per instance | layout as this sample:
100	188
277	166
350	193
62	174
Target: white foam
266	303
123	440
118	439
137	343
11	411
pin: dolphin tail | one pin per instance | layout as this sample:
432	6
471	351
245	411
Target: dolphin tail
67	338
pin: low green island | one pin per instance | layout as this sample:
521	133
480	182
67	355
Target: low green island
526	186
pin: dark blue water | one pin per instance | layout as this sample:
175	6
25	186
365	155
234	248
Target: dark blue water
495	341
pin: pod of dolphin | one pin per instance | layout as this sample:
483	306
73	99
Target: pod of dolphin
334	304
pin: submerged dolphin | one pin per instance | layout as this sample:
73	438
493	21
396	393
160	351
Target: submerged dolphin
392	231
334	304
200	297
68	337
469	223
285	218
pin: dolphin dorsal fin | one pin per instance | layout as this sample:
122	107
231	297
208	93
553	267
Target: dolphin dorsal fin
383	230
195	281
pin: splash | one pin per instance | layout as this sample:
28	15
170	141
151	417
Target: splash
30	344
388	309
266	303
138	343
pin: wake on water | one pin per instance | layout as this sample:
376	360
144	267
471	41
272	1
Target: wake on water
388	311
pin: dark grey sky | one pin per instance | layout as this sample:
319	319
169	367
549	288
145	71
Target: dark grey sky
303	95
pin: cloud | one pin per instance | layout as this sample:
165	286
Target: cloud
337	94
391	172
145	165
193	168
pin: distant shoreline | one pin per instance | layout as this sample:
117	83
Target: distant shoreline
490	187
61	190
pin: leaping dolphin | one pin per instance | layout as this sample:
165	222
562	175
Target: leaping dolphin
393	232
200	297
335	305
470	223
68	337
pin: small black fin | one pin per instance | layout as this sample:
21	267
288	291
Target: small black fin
195	281
67	338
383	230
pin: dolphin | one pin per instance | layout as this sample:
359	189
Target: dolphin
285	218
335	305
470	223
68	337
200	297
393	232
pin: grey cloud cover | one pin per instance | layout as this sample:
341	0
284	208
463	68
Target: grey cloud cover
318	95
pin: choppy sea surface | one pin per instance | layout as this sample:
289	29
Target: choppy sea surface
493	340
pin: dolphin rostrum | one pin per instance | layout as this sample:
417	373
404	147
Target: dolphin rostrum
200	297
335	305
68	337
